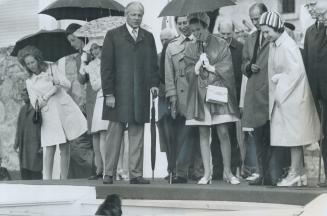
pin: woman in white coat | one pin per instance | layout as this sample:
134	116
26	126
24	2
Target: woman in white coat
293	115
98	127
62	119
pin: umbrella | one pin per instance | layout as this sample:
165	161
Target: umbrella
153	135
83	9
99	27
53	44
185	7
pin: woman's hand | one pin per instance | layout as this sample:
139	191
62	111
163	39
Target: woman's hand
42	101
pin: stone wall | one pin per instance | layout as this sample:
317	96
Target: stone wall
12	81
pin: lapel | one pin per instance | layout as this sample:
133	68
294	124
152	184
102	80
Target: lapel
129	37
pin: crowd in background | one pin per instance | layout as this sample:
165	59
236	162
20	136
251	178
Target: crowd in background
272	97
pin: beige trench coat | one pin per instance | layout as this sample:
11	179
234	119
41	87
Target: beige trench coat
292	111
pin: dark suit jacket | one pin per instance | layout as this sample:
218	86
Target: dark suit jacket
128	70
315	60
256	101
236	49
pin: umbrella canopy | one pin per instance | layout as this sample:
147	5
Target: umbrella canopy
185	7
83	9
100	27
53	44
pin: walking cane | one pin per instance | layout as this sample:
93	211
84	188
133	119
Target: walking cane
321	141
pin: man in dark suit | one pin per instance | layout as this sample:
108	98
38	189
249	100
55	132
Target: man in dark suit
315	61
128	72
256	101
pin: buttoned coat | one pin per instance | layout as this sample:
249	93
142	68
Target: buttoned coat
128	70
315	60
256	102
175	78
62	120
294	118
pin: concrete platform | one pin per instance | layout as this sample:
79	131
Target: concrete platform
218	191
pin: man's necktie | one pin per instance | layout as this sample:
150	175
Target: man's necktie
134	34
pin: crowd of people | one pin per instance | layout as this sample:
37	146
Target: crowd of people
214	92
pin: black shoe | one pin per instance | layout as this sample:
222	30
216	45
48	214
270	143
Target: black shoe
258	181
168	176
322	184
179	180
139	180
195	178
96	177
108	179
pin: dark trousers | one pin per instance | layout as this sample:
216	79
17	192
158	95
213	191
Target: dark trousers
279	162
262	141
250	160
182	145
189	153
324	141
217	160
30	175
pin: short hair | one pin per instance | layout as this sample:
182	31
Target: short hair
263	8
176	18
196	20
134	3
167	33
36	53
226	21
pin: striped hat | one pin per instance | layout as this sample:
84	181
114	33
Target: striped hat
271	19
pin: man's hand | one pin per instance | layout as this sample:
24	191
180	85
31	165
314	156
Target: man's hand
255	68
154	91
173	106
110	101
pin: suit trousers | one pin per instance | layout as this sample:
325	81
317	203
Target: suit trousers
188	152
136	145
262	141
324	141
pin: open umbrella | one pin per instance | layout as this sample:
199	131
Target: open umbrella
53	44
185	7
100	27
85	10
153	135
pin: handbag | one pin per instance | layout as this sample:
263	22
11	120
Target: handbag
217	94
37	116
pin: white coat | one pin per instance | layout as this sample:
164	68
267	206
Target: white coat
62	119
93	70
292	111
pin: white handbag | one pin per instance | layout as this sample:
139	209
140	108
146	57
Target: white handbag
217	94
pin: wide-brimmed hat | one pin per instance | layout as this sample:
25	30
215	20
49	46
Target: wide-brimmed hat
272	19
200	16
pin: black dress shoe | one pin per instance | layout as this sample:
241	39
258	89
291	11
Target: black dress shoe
96	177
322	184
139	180
108	179
258	181
179	180
196	178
